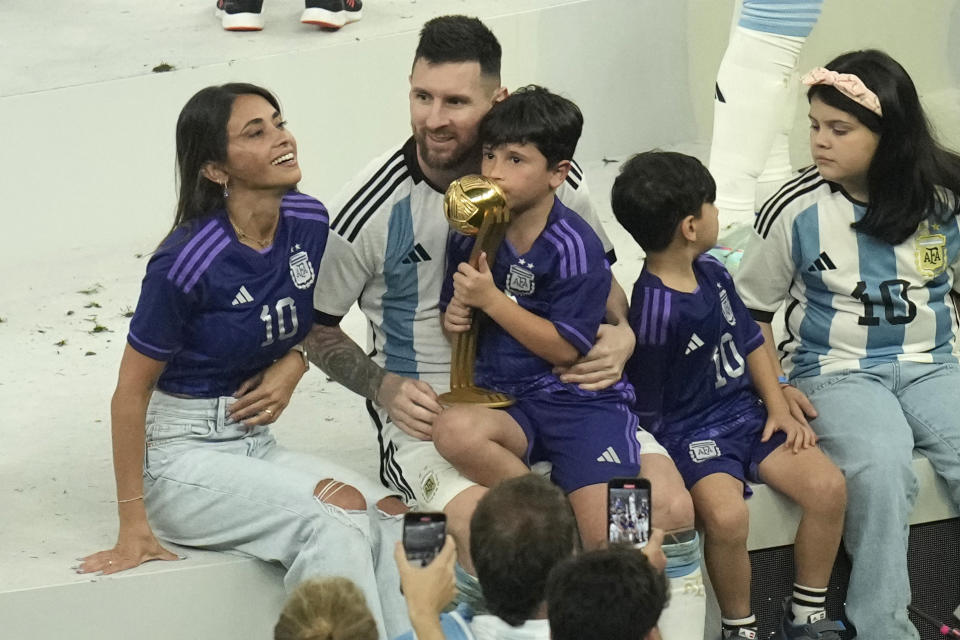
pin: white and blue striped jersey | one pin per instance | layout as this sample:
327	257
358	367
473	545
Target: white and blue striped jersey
387	251
852	301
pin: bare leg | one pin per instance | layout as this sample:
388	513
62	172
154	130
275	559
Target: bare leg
485	445
811	480
590	508
722	513
340	495
459	511
672	508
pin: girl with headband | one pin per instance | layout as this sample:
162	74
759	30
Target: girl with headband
211	360
863	248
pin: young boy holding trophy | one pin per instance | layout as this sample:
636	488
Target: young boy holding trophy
543	290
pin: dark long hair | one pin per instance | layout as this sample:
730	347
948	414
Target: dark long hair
909	169
202	138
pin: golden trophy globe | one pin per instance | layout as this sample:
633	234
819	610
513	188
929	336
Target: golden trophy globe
474	206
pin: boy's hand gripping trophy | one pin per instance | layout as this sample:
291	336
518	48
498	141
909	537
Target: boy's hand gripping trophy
474	206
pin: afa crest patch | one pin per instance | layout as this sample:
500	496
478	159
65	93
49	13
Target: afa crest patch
520	281
931	254
429	483
726	307
701	450
301	271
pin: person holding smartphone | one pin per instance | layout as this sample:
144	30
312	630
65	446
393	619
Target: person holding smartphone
708	391
521	530
211	362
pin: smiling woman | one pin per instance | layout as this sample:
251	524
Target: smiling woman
212	359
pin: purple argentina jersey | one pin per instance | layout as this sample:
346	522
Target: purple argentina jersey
689	367
564	277
217	311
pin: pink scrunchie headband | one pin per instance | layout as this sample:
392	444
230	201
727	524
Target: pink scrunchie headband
847	84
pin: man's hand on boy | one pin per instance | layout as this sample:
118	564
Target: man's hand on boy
458	317
799	435
475	287
603	365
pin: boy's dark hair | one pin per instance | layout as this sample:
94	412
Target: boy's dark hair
611	594
655	191
534	115
520	530
459	39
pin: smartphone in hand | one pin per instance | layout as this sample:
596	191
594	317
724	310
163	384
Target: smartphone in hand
423	536
628	511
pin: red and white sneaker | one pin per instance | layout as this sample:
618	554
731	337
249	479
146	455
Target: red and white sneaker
240	15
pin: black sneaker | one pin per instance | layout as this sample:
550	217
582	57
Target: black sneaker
331	14
240	15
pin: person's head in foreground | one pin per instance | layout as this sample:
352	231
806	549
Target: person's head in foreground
609	594
520	530
326	609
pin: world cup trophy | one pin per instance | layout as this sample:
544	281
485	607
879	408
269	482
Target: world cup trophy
474	206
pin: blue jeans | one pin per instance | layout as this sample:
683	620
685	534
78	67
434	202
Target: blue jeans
214	483
870	420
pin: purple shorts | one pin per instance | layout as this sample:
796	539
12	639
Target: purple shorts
588	439
733	448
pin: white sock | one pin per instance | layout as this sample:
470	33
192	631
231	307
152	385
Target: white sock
806	602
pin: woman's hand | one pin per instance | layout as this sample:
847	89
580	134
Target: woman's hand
262	398
133	548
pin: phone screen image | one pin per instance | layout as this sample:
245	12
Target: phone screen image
423	536
628	512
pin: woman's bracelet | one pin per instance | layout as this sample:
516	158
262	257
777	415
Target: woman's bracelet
784	381
139	497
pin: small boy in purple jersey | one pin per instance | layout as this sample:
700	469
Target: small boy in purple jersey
545	297
709	393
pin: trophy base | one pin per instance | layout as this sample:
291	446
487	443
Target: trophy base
476	396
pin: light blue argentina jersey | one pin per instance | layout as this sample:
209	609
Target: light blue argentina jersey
852	301
386	252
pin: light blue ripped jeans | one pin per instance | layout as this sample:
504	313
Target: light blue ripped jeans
214	483
870	421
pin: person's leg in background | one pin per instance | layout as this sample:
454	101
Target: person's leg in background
754	105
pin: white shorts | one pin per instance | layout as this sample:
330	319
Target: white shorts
413	467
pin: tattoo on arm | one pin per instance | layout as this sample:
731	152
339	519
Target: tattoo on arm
344	361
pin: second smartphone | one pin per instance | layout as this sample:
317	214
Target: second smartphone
423	536
628	511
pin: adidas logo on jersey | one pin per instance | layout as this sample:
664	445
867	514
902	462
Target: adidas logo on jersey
823	263
419	254
694	344
609	456
243	296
